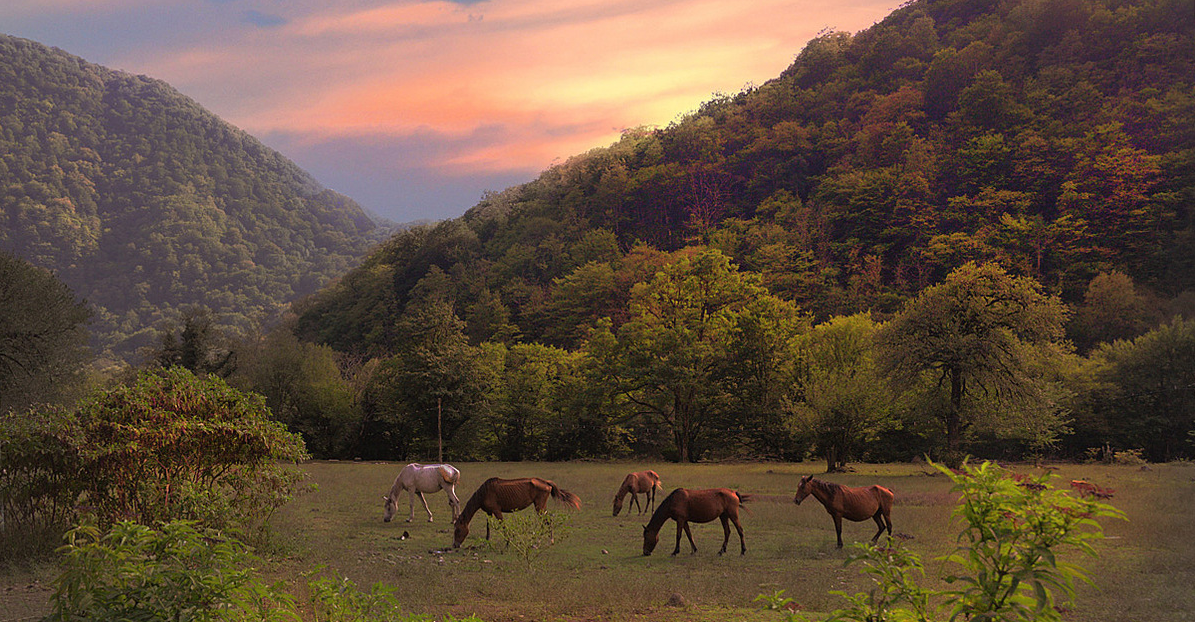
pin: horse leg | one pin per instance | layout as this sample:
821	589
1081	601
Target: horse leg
411	494
838	528
690	535
879	519
725	532
453	502
635	502
742	542
427	509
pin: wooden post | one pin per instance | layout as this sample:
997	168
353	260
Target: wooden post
440	427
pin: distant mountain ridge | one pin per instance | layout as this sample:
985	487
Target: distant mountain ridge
144	203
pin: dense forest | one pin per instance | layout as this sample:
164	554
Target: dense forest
146	204
955	155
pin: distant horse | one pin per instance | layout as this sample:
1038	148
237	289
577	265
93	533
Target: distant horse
856	504
642	482
697	506
496	495
418	479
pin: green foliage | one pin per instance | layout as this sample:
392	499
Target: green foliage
144	203
177	573
975	335
39	479
529	534
1010	562
42	337
175	445
340	600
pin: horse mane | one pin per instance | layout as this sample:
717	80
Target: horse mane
475	501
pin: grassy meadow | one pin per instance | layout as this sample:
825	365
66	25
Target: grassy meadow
596	571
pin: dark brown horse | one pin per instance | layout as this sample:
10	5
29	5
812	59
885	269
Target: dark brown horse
496	495
696	506
856	504
641	482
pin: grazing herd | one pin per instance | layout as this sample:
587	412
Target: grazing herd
497	496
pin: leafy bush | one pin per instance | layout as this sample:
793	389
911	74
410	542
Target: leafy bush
339	600
170	445
1007	564
179	573
528	534
174	445
39	480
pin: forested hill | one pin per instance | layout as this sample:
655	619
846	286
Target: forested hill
145	203
1055	137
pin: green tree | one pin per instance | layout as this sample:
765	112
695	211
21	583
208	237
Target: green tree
975	335
304	389
42	336
1147	390
198	345
668	358
846	401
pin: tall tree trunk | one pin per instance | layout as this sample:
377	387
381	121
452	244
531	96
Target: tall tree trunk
954	417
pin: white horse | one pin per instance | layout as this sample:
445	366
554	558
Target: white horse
418	479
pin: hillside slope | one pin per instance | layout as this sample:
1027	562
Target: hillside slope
144	203
1054	137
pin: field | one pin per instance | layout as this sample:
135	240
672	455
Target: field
596	571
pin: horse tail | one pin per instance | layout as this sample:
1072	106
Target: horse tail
743	499
565	496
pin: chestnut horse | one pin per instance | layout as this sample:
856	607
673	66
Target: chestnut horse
856	504
642	482
697	506
497	495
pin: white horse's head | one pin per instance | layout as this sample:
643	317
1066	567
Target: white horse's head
389	508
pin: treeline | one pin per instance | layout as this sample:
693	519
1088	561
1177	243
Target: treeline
706	363
144	203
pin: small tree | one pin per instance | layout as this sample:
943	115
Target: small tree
175	445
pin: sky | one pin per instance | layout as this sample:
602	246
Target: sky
415	108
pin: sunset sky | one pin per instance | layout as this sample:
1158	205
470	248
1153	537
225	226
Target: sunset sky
415	107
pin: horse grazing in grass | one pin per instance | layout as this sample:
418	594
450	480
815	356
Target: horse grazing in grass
856	504
697	506
642	482
496	495
418	479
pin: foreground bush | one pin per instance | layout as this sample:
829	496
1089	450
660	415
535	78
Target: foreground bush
181	573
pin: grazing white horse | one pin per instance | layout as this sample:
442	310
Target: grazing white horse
418	479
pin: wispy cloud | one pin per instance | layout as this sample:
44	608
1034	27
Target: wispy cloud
262	20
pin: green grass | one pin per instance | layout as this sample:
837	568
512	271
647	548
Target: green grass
596	572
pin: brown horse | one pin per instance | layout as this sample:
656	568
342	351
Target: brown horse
642	482
856	504
697	506
496	495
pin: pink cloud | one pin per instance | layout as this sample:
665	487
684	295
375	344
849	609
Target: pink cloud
561	76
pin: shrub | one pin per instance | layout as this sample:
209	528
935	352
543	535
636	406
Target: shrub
173	445
179	573
529	534
39	480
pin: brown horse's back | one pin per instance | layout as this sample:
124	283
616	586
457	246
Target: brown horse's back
702	506
860	504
